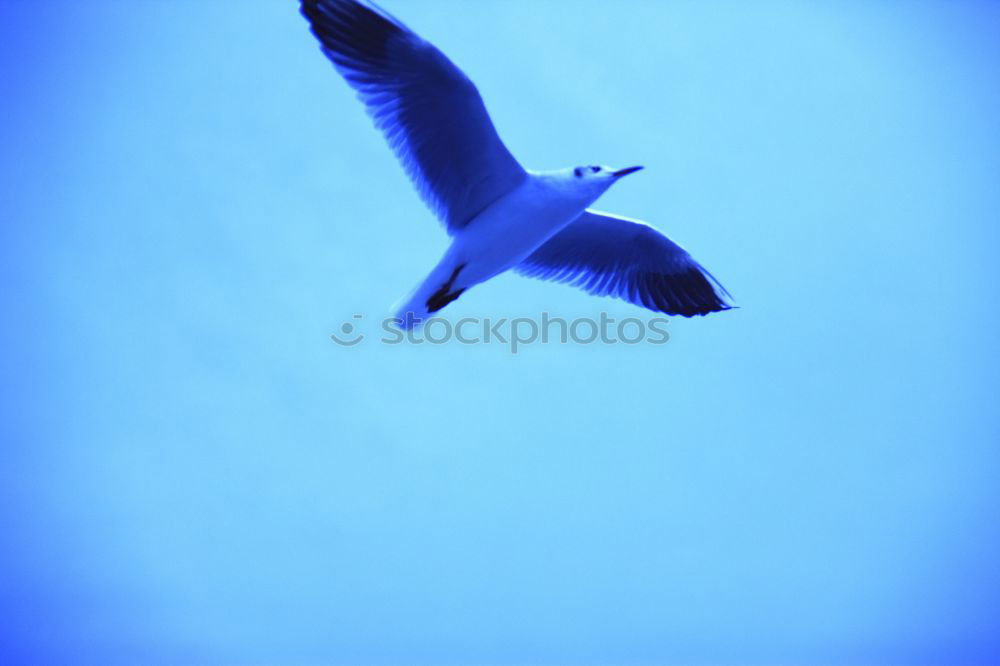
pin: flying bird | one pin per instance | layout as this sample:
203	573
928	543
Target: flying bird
499	215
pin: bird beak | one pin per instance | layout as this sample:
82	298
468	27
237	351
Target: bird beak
626	171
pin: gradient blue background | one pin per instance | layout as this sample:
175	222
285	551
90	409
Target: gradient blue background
192	201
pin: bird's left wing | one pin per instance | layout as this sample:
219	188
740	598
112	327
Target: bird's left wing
608	255
429	111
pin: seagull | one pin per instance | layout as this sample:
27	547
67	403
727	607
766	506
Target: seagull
500	216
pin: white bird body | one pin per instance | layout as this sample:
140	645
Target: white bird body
506	233
500	215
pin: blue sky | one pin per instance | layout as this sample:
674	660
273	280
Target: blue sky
192	202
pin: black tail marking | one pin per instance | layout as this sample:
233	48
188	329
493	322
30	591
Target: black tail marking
445	295
442	298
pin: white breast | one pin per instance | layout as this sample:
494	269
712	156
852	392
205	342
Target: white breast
514	226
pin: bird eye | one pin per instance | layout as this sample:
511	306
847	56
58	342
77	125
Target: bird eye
578	171
595	169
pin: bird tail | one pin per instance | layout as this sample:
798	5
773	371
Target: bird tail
436	291
409	313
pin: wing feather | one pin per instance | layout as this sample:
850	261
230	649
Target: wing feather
608	255
430	113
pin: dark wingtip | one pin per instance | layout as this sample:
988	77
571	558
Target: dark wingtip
359	32
693	293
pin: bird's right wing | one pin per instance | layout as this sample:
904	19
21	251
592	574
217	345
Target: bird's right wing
429	111
608	255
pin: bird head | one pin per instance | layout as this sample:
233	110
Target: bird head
599	178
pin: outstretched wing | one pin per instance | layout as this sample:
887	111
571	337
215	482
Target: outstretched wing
429	111
608	255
